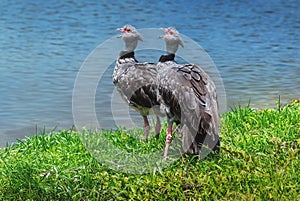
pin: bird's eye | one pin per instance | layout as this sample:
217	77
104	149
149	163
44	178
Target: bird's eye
171	32
128	30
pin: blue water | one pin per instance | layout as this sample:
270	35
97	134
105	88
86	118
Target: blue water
254	44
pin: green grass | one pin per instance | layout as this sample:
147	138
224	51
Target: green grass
259	160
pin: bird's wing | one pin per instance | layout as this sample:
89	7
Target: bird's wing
136	83
195	94
202	116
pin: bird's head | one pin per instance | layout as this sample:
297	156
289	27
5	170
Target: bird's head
130	36
172	39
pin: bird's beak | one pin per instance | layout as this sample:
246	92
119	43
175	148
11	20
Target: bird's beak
120	29
162	36
164	29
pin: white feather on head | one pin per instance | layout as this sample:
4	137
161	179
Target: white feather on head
172	39
130	36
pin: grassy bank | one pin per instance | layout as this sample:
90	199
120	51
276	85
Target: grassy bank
259	160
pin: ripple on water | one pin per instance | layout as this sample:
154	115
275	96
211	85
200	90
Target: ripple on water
254	45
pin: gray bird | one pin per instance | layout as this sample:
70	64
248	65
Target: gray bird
188	96
135	81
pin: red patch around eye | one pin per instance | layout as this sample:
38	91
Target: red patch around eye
169	32
126	30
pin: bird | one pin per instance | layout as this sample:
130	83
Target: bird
188	96
135	81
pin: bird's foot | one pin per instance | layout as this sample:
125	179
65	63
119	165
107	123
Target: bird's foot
146	128
157	128
146	133
166	153
168	141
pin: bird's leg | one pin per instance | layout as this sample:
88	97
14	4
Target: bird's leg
168	138
157	127
146	128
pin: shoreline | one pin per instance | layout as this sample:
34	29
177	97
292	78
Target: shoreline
36	129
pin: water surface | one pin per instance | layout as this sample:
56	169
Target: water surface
254	44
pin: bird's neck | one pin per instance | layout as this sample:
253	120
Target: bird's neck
168	57
127	54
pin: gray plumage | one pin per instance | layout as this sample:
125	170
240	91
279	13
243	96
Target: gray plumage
136	84
135	81
188	95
